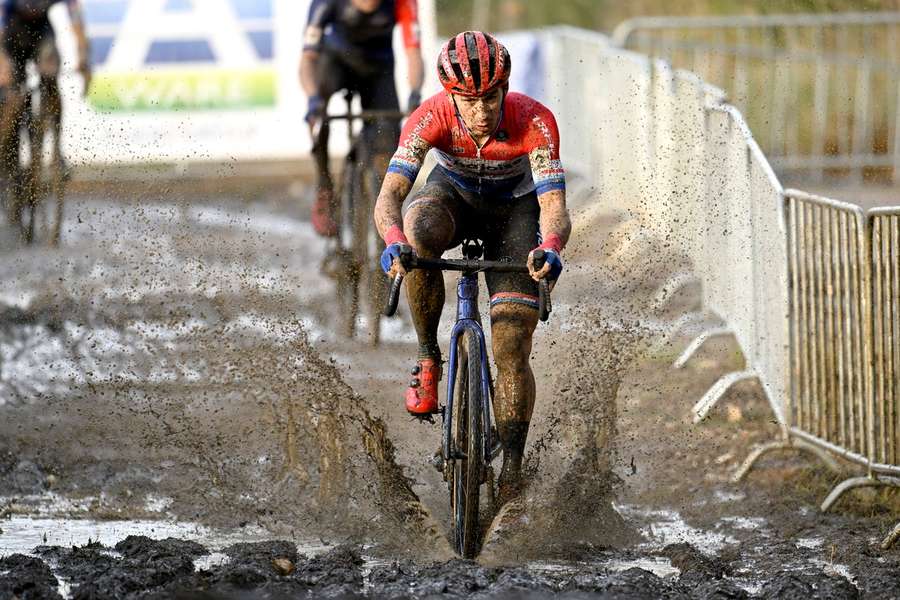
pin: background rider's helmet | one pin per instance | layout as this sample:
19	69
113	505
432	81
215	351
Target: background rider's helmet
472	64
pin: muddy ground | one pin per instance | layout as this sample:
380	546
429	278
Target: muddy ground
179	419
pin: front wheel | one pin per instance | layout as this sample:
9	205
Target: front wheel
468	437
347	254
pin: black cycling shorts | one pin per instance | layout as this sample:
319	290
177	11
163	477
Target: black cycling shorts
375	85
508	229
25	40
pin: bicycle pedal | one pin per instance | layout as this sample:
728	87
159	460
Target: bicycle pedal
437	461
426	418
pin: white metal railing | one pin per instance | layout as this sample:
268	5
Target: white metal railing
813	86
808	286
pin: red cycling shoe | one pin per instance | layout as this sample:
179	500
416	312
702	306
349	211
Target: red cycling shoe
323	214
422	393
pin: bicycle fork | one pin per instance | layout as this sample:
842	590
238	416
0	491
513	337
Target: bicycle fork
467	319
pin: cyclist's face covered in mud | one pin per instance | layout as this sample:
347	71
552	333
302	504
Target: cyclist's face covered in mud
481	114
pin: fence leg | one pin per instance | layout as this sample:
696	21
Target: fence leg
671	287
856	482
692	318
892	537
788	444
697	342
709	399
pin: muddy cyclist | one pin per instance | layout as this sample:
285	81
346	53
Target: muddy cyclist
348	45
498	179
27	35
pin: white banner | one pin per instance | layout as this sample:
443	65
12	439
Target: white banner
195	80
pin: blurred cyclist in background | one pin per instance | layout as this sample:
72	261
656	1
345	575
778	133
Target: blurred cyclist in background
26	34
348	45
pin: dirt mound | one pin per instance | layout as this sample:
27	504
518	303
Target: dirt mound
27	578
808	585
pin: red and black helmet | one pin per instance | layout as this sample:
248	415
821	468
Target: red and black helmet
472	64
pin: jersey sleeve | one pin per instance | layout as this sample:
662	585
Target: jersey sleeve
319	17
407	15
543	153
421	132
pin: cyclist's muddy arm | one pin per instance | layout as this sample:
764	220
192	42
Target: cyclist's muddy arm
554	220
556	227
81	39
309	61
415	68
6	77
388	213
416	140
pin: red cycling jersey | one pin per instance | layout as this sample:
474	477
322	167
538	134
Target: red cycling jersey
521	156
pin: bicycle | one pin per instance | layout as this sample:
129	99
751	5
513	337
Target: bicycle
30	181
348	262
469	443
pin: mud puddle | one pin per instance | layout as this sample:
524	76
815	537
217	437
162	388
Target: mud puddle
211	566
174	368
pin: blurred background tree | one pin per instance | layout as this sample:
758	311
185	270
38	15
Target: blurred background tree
499	15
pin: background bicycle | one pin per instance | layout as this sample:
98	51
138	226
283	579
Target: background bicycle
350	261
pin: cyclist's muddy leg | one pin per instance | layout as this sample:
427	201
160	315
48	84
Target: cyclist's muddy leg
331	77
11	107
10	110
512	327
320	156
51	110
430	228
48	62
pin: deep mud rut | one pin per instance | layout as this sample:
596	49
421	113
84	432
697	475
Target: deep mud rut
170	374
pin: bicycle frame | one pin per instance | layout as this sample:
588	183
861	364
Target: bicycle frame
467	319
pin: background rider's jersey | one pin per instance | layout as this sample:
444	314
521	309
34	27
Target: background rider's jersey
338	25
520	157
28	10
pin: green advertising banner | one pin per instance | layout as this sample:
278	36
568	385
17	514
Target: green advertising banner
179	89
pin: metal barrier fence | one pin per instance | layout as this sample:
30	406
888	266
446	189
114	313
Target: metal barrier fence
807	286
813	87
830	320
845	320
885	230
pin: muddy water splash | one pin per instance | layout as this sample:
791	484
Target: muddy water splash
159	366
603	323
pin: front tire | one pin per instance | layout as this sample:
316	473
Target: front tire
468	472
348	275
